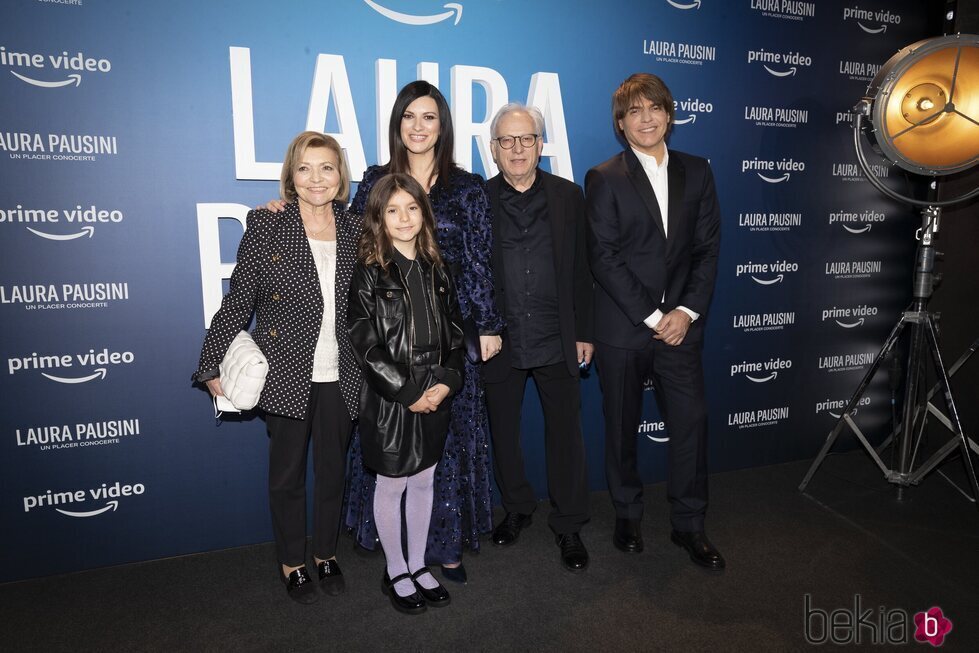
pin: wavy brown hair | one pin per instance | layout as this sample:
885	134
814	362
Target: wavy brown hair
375	243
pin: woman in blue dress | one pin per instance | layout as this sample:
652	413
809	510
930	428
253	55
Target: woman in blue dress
421	144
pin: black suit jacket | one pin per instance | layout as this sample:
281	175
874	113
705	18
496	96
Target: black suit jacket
275	277
633	261
566	214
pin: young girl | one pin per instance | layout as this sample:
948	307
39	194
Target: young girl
406	332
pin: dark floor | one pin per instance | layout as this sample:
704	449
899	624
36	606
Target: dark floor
847	537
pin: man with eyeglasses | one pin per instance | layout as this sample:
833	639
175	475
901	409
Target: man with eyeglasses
544	288
653	241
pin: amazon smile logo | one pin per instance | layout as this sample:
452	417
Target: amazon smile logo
60	368
79	503
684	5
38	69
454	9
766	274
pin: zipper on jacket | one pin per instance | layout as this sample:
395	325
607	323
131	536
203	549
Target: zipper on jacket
411	314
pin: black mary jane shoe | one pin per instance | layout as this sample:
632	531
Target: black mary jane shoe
411	604
331	578
456	574
437	597
299	586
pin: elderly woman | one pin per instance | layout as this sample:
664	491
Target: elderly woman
293	272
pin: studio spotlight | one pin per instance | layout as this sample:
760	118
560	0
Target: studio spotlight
921	112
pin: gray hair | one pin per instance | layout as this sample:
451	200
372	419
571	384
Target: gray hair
514	107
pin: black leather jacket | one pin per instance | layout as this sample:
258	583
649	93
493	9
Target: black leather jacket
380	326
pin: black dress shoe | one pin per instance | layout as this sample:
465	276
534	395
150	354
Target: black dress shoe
299	585
509	529
411	604
700	549
331	578
627	536
436	597
574	556
455	574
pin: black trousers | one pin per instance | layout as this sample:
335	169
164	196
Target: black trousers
329	424
564	448
678	376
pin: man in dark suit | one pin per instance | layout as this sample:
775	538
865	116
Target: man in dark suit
653	240
544	288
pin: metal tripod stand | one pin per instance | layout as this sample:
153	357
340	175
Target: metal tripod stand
907	435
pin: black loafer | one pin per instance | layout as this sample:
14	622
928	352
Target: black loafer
509	529
627	537
574	556
299	586
437	597
411	604
700	549
331	578
455	574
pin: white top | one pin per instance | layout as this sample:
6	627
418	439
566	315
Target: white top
659	180
325	359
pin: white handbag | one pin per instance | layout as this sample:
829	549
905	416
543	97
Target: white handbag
243	372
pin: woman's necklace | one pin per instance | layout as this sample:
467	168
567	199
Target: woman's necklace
313	234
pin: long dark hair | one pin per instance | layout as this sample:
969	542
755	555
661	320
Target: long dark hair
375	243
444	164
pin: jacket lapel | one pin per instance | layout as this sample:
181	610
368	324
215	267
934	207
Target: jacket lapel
555	215
676	182
639	179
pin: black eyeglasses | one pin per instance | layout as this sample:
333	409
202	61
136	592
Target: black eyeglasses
507	142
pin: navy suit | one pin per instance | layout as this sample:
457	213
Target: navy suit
637	270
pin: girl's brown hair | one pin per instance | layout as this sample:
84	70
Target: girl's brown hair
375	244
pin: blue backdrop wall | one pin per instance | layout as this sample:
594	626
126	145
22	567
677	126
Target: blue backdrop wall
135	135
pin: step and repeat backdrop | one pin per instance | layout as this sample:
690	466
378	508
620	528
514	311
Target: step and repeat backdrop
134	136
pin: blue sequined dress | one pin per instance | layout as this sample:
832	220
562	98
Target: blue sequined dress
462	508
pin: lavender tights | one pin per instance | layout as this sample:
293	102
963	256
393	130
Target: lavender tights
418	515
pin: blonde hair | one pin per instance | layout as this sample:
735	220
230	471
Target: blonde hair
295	151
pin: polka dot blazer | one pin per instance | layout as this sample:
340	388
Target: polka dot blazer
276	278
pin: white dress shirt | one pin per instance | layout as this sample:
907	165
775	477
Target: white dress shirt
659	180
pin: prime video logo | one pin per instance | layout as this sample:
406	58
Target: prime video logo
761	371
876	20
111	494
771	168
692	107
779	268
779	64
72	65
655	431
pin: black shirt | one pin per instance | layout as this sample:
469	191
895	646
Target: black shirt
419	296
530	284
